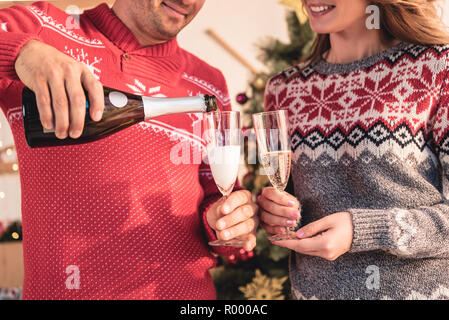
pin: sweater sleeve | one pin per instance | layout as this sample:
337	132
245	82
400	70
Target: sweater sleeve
212	194
418	232
270	97
18	25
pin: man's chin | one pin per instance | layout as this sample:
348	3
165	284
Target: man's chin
163	27
169	33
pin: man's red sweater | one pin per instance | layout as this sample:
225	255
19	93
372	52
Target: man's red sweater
123	217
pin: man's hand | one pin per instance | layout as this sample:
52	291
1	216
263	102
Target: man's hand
234	217
328	238
58	80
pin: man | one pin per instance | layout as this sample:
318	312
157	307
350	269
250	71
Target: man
116	218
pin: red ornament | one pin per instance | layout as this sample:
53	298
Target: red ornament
242	98
232	259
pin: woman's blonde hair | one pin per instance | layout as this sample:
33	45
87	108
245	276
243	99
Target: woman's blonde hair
413	21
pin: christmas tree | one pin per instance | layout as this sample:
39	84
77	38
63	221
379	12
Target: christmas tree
264	273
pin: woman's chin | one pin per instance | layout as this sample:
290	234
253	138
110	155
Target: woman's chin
321	29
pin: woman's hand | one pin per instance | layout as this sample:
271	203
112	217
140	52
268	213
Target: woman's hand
278	210
328	238
235	217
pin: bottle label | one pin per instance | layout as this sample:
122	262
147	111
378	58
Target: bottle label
118	99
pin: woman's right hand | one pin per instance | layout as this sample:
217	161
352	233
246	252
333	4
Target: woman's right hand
278	210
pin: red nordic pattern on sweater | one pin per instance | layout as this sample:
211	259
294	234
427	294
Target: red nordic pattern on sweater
370	138
117	210
393	102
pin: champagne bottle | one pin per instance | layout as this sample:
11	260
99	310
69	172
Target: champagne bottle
121	111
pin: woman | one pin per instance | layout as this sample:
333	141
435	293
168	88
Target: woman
369	116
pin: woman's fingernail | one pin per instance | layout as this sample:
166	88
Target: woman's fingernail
295	215
291	223
226	235
300	233
291	203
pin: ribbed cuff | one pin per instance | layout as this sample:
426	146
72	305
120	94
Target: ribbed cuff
10	45
372	230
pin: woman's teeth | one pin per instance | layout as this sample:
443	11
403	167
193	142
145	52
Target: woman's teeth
320	9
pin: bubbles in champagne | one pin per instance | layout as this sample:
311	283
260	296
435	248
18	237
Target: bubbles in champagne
224	163
277	165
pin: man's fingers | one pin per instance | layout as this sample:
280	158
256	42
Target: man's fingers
95	93
77	101
241	214
60	106
240	229
43	100
235	200
274	208
250	242
280	197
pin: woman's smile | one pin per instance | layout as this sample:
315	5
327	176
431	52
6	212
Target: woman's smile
319	10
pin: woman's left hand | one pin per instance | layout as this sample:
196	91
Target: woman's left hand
328	238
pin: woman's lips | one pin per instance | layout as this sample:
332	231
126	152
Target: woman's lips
318	10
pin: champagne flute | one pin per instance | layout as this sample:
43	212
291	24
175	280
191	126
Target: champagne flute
222	135
275	154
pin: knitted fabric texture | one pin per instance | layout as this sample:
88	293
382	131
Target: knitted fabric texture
371	138
123	217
